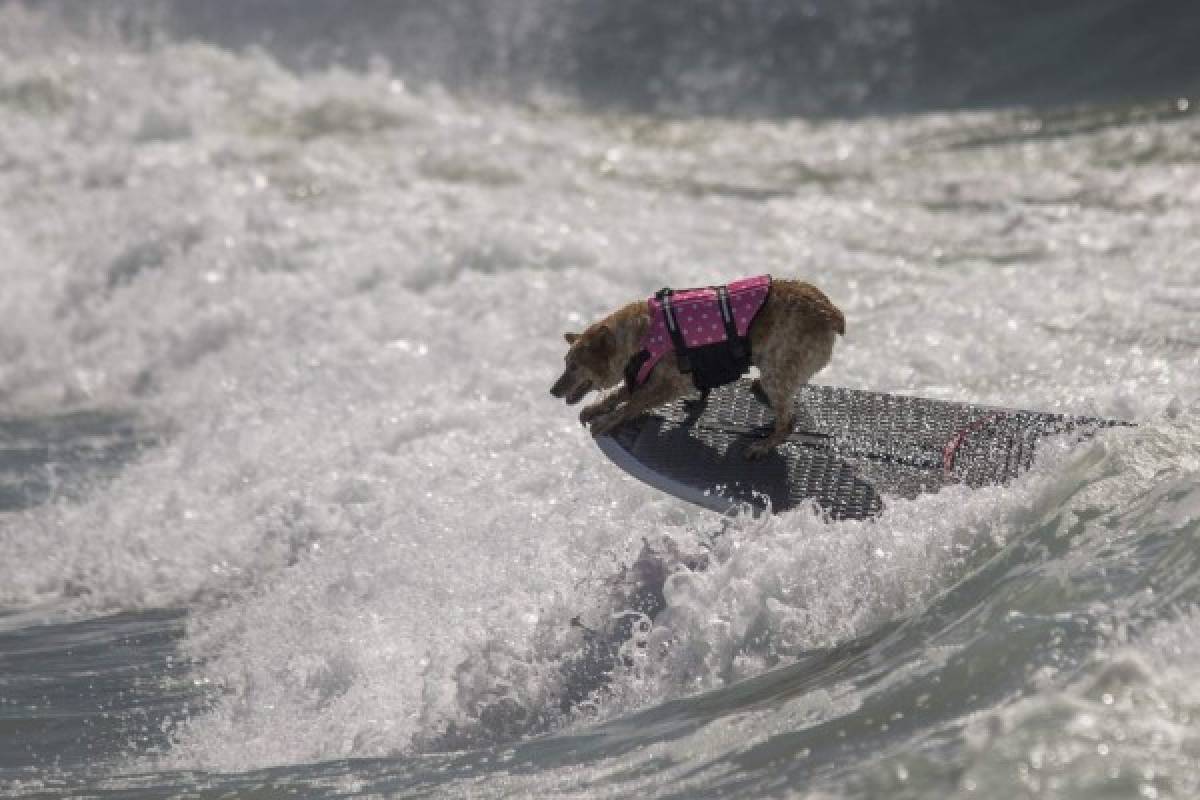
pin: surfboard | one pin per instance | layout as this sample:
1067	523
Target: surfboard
849	450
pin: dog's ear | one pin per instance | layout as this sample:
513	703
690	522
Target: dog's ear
571	338
600	341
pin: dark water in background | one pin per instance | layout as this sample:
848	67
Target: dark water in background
741	57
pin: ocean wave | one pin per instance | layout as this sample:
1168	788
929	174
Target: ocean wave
766	57
315	317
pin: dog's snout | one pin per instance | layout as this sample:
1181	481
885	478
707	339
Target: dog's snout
561	386
572	386
577	394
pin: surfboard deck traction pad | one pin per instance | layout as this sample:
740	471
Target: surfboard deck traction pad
848	448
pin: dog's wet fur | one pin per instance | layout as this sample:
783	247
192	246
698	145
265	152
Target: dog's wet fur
791	340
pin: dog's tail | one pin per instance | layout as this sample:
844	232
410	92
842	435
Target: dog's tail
819	304
837	320
810	302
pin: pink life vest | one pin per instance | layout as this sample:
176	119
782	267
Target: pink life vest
707	328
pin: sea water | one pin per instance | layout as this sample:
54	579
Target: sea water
287	506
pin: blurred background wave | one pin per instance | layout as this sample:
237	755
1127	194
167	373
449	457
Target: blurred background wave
749	57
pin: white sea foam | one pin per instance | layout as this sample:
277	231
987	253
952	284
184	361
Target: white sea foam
343	301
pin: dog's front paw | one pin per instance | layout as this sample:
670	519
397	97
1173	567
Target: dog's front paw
589	413
760	394
606	423
758	450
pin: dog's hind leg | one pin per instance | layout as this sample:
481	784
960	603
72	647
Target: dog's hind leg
782	373
779	390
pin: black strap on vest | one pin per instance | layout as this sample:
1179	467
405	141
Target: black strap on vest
634	367
710	365
731	333
681	348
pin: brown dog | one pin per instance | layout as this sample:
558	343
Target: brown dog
791	339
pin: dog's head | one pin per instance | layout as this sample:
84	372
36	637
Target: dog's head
591	364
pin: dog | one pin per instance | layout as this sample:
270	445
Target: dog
789	337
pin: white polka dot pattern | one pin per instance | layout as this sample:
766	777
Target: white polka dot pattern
699	317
